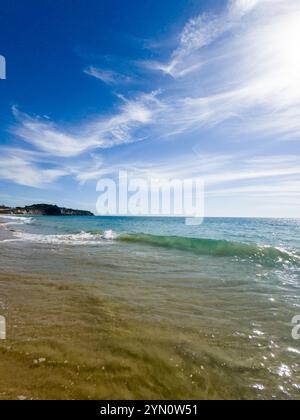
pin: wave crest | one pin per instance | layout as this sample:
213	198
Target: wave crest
217	248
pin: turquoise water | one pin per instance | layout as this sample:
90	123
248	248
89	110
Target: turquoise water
265	241
275	232
224	292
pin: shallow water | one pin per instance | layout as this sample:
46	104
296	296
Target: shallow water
150	308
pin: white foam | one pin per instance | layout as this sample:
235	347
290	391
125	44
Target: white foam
16	220
110	235
83	238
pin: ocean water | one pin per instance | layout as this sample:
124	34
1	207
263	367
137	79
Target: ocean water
103	307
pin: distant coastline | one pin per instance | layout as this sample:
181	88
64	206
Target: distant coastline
43	210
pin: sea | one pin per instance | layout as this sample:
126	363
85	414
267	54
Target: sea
149	308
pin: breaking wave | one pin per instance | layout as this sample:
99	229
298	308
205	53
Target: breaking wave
82	238
265	255
218	248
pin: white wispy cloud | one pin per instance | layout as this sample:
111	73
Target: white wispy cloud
220	173
274	189
109	77
99	133
242	64
22	167
200	32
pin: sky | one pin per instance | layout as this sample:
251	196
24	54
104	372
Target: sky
206	89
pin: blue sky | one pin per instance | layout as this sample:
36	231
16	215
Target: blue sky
169	88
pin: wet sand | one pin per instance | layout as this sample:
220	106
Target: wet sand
68	342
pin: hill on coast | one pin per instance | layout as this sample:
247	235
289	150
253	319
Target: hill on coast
43	210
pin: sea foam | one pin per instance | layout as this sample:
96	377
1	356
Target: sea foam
82	238
16	220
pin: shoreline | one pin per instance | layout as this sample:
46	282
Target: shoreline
5	233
